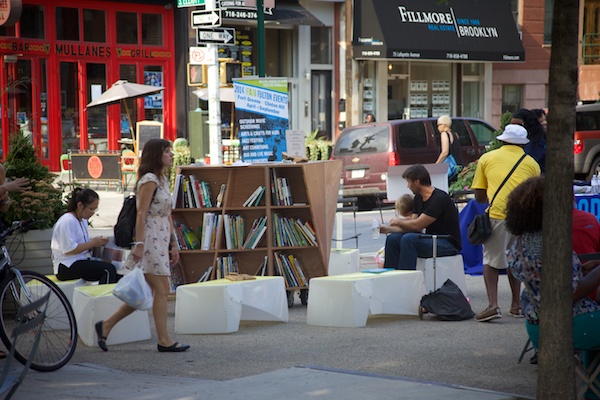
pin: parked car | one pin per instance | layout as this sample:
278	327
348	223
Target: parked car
368	150
586	141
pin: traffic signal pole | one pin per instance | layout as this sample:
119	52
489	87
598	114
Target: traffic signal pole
214	101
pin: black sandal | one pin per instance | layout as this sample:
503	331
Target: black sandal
101	339
174	348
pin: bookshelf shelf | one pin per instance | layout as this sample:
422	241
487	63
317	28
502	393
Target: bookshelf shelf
314	185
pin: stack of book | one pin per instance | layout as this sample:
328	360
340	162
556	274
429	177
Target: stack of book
257	232
226	265
206	275
292	232
281	192
254	199
211	230
290	269
234	231
191	193
185	236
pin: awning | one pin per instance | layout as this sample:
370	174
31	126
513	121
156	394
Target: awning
284	13
465	30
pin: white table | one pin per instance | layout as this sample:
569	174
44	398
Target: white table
446	267
95	303
218	306
347	300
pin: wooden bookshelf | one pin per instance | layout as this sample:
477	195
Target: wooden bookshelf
312	186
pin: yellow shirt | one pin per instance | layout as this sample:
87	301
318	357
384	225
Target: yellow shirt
494	166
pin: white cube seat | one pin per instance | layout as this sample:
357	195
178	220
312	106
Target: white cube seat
218	306
94	303
347	300
68	287
447	267
343	261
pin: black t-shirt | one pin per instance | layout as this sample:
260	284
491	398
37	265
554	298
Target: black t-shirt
441	207
455	148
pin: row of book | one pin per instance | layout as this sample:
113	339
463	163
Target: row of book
211	230
292	232
226	265
234	232
189	192
185	236
290	269
281	193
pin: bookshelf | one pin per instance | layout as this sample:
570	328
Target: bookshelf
309	197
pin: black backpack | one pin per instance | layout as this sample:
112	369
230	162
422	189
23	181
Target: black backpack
124	229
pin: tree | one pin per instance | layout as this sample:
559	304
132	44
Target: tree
556	373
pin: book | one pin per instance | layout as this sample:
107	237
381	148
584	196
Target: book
250	200
177	190
194	187
221	195
260	195
206	274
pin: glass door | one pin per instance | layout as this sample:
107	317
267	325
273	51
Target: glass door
69	106
321	103
97	129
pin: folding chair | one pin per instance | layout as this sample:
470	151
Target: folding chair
129	166
351	207
587	375
32	317
65	167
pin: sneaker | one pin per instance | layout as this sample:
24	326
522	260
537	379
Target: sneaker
516	312
488	314
534	359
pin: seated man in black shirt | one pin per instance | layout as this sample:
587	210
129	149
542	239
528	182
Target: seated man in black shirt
434	212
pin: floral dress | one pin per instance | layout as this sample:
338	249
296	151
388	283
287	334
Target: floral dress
525	262
155	260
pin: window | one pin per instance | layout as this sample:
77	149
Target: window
511	98
94	26
549	8
483	133
412	135
127	28
7	31
373	139
67	23
32	22
152	29
320	48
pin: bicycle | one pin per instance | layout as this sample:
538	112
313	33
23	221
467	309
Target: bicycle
17	288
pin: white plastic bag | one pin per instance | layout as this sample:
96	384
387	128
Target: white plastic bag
134	290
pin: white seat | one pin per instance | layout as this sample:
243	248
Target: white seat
447	267
343	261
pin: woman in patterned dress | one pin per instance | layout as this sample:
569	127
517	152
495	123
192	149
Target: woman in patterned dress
155	248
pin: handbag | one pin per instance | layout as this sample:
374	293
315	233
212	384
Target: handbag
134	290
453	167
480	229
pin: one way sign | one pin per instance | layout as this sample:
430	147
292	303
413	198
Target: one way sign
222	36
204	18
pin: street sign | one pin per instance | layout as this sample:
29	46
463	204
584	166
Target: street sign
204	18
221	36
189	3
201	56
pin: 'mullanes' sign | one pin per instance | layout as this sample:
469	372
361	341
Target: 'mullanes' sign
189	3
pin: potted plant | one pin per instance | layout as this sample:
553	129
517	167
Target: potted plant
43	202
318	148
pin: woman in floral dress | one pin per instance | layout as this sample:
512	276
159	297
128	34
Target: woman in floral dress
155	248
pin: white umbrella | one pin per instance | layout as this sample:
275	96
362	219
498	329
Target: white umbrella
122	90
226	94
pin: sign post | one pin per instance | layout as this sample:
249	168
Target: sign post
214	102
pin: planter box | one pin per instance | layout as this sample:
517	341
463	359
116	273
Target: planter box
34	251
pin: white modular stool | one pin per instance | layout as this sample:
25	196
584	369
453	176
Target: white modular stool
94	303
447	267
68	287
347	300
218	306
343	261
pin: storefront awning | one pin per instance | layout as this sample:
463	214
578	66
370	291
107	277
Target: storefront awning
292	13
465	30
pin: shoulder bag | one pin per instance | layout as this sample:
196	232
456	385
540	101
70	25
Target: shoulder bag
480	228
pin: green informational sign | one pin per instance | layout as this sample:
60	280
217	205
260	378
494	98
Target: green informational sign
189	3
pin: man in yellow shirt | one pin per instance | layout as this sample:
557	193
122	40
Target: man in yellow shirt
492	169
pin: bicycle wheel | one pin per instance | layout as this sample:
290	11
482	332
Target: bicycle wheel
59	332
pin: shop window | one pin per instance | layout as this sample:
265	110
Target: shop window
127	28
96	116
548	10
153	104
152	33
67	23
127	72
511	98
94	26
32	22
320	45
69	105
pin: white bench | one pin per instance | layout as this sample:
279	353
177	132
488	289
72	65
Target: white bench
94	303
447	267
343	261
68	287
347	300
218	306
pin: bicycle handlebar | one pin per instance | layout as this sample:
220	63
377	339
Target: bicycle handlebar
17	226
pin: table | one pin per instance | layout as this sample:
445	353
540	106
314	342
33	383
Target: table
347	300
218	306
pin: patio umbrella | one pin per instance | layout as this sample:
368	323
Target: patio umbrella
122	90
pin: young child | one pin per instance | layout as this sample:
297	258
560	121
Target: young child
404	208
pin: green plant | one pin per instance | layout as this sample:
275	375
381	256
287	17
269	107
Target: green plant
317	148
44	201
181	156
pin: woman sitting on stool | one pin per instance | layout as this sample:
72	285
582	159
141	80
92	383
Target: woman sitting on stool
71	244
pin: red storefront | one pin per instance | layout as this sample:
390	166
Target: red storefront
61	55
